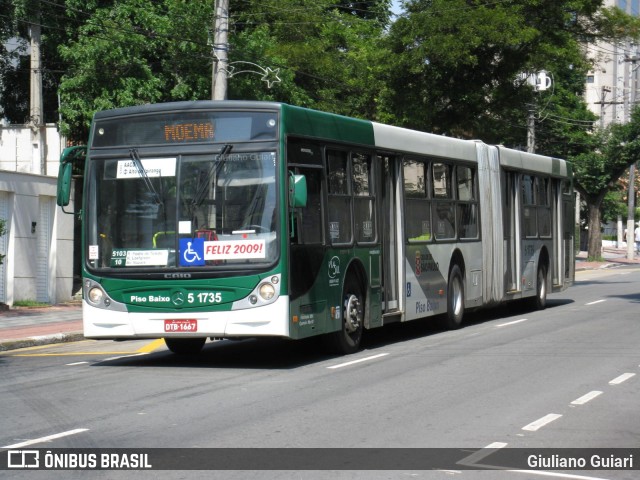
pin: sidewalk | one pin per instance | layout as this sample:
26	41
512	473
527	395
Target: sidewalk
613	257
26	327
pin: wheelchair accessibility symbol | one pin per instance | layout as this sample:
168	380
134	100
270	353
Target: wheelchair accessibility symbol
191	252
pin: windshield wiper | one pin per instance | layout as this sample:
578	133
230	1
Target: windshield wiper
133	154
214	170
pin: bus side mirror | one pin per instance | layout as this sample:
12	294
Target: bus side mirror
297	191
65	173
64	183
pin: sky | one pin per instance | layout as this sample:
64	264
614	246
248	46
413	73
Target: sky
395	7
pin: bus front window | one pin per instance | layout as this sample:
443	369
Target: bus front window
219	211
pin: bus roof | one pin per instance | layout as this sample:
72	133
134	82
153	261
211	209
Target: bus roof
421	143
186	106
322	125
518	160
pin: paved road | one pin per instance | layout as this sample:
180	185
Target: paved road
565	377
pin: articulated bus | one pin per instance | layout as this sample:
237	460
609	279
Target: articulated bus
233	219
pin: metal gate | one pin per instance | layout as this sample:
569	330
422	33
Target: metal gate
4	242
44	233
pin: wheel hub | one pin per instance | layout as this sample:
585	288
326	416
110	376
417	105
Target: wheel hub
352	314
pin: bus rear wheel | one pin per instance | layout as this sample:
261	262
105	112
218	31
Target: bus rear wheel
539	302
347	340
455	299
185	346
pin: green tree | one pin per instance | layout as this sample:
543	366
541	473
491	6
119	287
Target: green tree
133	51
456	65
119	57
614	205
598	170
15	20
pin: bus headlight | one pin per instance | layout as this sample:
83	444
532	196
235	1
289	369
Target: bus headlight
267	291
95	295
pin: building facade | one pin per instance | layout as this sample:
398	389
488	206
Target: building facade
612	84
38	243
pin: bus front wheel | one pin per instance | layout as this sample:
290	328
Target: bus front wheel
185	346
347	340
455	299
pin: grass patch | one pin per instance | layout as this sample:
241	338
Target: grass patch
30	303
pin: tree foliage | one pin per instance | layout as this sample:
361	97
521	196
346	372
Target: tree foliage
456	65
131	52
16	19
597	170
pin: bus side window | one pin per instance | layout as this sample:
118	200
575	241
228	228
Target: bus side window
418	211
363	198
339	208
530	226
444	210
467	202
310	223
544	206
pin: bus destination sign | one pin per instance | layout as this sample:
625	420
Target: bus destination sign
189	132
182	128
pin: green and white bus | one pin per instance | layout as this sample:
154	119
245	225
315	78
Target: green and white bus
232	219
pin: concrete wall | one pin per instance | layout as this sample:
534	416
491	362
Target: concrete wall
19	151
39	242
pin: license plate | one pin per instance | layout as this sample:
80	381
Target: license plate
181	325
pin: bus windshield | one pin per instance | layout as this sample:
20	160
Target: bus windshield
193	211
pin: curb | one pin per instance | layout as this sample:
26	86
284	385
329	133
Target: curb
6	345
599	267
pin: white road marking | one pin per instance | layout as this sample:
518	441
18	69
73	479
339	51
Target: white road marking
586	398
541	422
45	439
597	301
512	323
366	359
76	363
542	473
475	457
124	356
471	461
622	378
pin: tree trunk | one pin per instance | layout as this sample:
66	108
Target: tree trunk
594	244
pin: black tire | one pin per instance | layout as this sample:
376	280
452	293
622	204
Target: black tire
185	346
347	340
539	302
455	299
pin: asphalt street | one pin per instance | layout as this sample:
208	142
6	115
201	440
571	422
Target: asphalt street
565	377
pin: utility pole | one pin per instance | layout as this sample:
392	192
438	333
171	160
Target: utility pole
36	113
540	82
531	130
631	245
603	95
220	50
